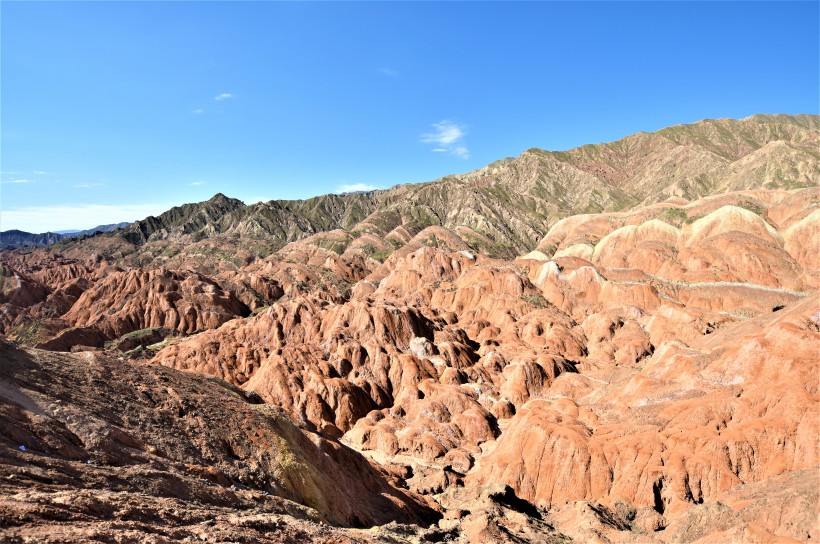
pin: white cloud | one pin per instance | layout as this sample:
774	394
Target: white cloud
389	72
18	181
79	216
40	172
223	96
354	187
448	137
461	151
88	185
197	183
198	111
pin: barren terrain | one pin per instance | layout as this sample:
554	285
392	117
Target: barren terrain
618	343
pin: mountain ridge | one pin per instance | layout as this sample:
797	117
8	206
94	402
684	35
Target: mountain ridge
17	238
504	208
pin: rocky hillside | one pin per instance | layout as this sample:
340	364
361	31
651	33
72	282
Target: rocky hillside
504	208
97	450
645	375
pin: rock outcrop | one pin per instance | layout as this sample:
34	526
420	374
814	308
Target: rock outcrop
85	437
131	300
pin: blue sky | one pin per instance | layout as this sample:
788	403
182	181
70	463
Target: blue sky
112	111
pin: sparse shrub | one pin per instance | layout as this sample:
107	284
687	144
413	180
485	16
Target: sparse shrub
675	215
381	255
537	301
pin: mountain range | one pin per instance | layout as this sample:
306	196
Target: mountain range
18	238
508	206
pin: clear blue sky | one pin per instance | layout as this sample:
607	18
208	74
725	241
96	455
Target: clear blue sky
115	110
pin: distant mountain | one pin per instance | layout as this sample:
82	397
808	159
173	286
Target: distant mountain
99	228
508	206
19	238
278	220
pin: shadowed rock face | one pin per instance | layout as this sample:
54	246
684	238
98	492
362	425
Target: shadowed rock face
644	375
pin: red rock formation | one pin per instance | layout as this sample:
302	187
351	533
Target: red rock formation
127	301
19	290
689	425
639	372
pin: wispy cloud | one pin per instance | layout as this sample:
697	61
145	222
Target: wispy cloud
35	172
389	72
448	137
197	183
354	187
223	96
198	111
88	185
18	181
80	216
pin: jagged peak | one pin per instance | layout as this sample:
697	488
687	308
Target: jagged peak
220	198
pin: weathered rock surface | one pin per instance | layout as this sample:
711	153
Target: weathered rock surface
91	447
127	301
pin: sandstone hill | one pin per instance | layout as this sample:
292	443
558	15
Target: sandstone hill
649	374
639	372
